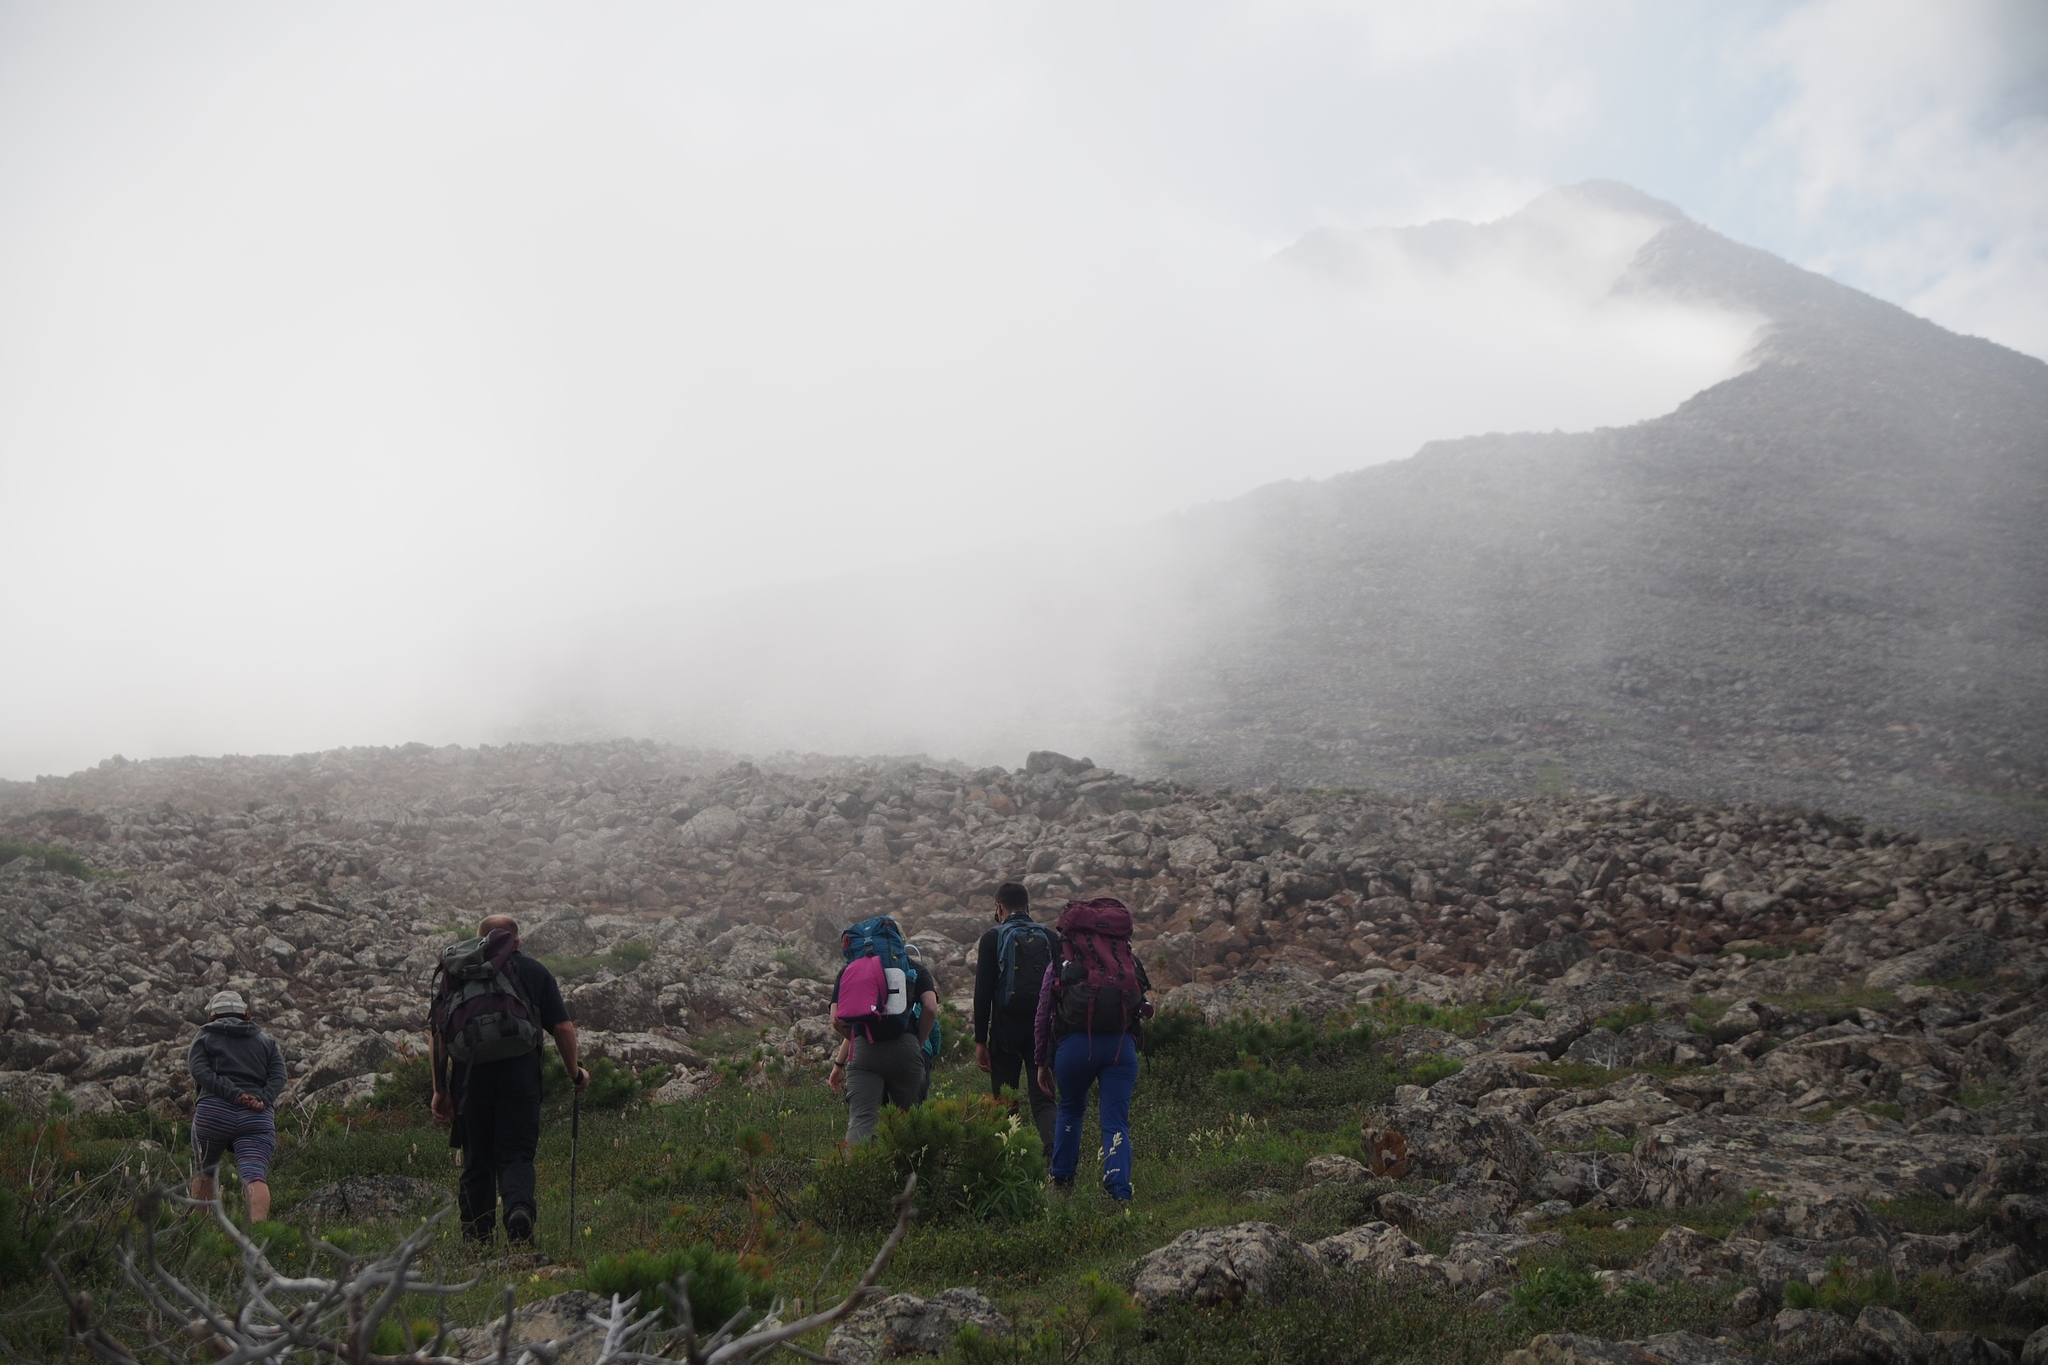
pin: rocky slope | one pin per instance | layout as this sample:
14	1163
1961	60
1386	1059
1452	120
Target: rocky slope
1820	581
683	898
1717	1003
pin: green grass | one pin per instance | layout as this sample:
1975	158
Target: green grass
1550	778
748	1172
1627	1017
62	860
1765	952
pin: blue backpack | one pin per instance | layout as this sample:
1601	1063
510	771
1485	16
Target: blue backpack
1024	949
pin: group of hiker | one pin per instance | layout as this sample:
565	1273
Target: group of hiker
1062	1006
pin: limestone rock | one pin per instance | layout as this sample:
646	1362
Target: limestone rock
1221	1265
359	1198
351	1055
906	1325
1332	1169
1888	1337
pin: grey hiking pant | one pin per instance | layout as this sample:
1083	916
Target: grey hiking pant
892	1070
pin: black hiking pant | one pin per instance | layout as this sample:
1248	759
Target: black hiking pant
498	1125
1009	1049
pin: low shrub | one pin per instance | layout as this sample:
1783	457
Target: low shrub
1627	1017
56	859
973	1158
395	1336
24	1237
853	1187
408	1083
1553	1292
1101	1317
611	1086
720	1285
695	1170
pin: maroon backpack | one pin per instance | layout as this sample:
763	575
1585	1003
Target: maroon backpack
1099	990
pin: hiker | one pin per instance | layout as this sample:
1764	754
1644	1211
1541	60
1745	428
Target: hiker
492	1006
882	1055
240	1074
1091	1010
1009	969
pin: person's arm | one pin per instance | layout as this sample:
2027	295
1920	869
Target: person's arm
565	1043
199	1061
437	1066
1041	1031
986	980
273	1088
928	1017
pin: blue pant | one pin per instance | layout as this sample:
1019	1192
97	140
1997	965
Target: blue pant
1080	1062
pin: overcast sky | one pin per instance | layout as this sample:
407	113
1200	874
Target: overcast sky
352	355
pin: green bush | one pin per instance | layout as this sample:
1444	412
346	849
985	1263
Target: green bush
1101	1317
853	1187
695	1170
1432	1069
24	1237
720	1285
1260	1089
1553	1292
611	1086
57	859
407	1083
973	1158
1627	1017
391	1336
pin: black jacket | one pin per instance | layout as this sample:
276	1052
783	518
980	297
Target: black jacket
232	1057
987	980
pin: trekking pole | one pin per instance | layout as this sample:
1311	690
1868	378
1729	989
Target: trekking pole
575	1131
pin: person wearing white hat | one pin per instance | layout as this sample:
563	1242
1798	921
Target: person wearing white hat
240	1074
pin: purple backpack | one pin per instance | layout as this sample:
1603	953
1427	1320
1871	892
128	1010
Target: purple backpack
1098	989
863	993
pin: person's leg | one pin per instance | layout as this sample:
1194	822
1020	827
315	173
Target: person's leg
903	1070
1045	1110
515	1142
1117	1077
477	1194
864	1087
208	1147
1006	1058
255	1145
1003	1066
1074	1071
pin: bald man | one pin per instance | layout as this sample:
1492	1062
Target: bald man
493	1109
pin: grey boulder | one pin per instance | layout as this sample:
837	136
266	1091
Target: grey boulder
906	1325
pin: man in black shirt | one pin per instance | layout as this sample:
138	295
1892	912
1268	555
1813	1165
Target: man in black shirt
493	1108
1002	1028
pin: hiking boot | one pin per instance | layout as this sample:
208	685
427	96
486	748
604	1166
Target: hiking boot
519	1225
1063	1188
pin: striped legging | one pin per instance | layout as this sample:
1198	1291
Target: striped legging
218	1125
